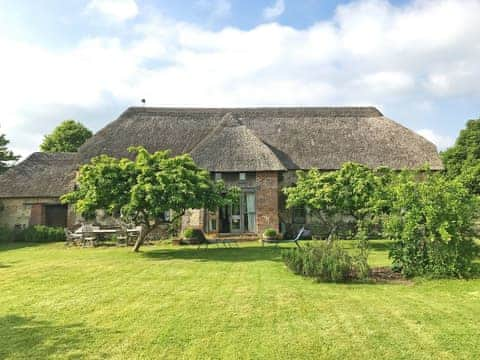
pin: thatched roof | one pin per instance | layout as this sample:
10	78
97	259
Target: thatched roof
40	175
249	139
241	149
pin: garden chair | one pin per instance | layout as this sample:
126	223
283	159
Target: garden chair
89	238
302	232
72	238
88	235
122	236
132	236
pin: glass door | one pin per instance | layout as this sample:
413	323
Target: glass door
240	216
235	218
248	206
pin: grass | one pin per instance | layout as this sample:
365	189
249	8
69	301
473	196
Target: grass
167	302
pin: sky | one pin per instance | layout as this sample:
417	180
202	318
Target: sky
88	60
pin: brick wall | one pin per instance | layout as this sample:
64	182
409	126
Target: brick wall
267	201
267	192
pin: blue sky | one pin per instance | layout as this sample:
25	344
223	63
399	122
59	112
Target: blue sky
90	59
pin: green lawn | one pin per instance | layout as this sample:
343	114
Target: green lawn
167	302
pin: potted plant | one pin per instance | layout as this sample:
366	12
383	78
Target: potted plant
193	236
270	234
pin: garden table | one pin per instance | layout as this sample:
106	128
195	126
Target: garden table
99	234
105	231
95	234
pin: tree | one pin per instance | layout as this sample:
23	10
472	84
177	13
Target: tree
143	189
336	196
463	159
67	137
431	221
6	156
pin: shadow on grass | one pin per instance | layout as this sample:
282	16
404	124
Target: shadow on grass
24	338
241	254
14	245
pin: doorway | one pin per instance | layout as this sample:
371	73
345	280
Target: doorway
239	217
56	215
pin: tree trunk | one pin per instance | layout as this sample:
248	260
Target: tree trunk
141	237
333	230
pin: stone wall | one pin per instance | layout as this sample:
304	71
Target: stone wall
267	201
18	211
194	218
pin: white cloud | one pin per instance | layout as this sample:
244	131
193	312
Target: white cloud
119	10
387	81
274	11
443	142
367	54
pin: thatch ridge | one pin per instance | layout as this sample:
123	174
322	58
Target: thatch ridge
42	175
363	111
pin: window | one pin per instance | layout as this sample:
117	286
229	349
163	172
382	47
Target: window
212	222
299	215
218	176
166	216
243	176
213	225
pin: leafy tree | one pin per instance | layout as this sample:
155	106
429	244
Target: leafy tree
143	189
463	159
336	196
6	156
67	137
431	222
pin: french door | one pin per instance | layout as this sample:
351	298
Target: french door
236	217
242	214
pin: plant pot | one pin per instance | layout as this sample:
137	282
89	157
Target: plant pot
191	241
269	238
176	242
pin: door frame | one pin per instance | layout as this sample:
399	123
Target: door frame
239	216
242	212
227	210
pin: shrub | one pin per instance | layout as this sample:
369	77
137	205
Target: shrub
270	232
293	259
431	223
193	236
325	262
6	234
361	267
189	233
40	233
